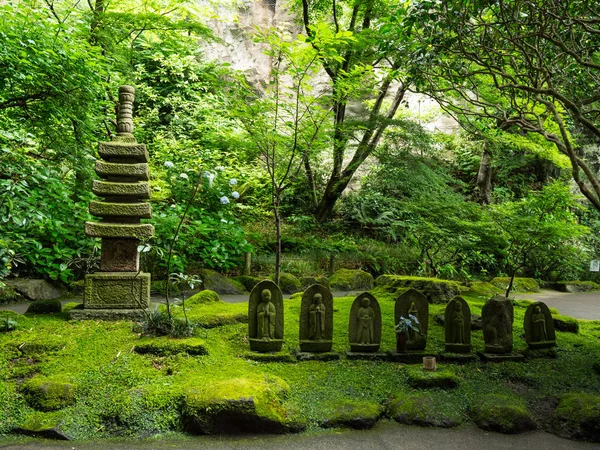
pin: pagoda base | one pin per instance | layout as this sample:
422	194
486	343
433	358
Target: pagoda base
117	290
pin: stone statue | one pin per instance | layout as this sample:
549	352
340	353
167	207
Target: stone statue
539	326
364	327
265	317
497	318
316	320
364	323
457	322
414	303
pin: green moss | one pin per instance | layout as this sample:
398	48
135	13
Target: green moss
483	288
71	305
248	281
211	315
359	415
576	286
502	413
519	284
296	296
578	416
350	280
309	281
202	298
565	323
240	404
44	307
436	291
443	379
288	283
43	425
163	346
424	410
48	394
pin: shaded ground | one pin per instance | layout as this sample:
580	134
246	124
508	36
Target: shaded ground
387	435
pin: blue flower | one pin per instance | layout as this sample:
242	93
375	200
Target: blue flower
224	200
235	194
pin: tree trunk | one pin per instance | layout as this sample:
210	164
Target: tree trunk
277	240
484	177
510	284
312	186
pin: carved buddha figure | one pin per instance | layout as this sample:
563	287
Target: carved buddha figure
265	317
364	330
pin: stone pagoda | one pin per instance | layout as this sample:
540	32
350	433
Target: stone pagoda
119	290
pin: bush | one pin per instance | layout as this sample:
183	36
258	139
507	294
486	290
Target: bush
45	307
288	283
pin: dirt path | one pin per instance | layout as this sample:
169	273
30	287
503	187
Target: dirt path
581	305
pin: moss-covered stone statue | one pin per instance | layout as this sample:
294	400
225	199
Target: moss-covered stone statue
415	304
497	316
119	290
458	326
539	326
364	328
316	320
265	317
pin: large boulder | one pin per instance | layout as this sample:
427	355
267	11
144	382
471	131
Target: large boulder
238	405
503	414
214	281
423	410
519	284
577	416
351	280
436	291
48	394
288	283
34	289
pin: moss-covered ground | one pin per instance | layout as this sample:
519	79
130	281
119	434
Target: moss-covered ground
119	391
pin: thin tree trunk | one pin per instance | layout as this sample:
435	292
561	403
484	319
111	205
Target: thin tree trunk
277	239
310	176
510	284
484	177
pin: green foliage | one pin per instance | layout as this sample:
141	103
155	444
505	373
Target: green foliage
288	283
159	323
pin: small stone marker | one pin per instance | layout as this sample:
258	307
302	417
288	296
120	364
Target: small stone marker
364	327
119	290
539	327
412	302
316	320
457	321
265	317
497	316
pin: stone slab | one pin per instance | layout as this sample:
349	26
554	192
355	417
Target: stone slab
103	209
117	290
316	346
113	150
500	357
328	356
375	356
136	171
269	357
119	230
458	358
139	189
409	357
265	346
108	314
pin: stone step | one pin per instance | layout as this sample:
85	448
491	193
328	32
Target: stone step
133	151
138	171
118	230
140	189
103	209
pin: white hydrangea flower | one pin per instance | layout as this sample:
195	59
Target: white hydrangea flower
235	194
169	164
233	182
224	200
184	176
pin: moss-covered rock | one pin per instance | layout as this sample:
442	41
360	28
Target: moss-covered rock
519	285
288	283
576	286
309	281
204	297
34	289
8	294
248	281
44	307
359	415
214	281
43	425
436	291
351	280
577	416
163	346
237	405
565	323
420	379
423	410
482	288
211	314
71	305
48	394
502	413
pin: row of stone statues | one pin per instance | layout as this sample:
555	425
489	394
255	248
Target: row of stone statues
265	322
